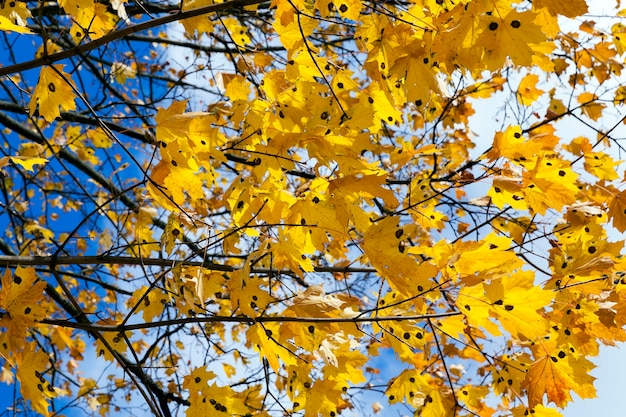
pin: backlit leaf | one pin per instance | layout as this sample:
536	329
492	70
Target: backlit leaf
53	90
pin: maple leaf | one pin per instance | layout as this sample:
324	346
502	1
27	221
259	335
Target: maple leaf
20	297
54	89
617	211
555	373
518	304
382	243
31	364
510	35
7	25
153	303
26	162
263	339
550	183
116	341
567	8
527	91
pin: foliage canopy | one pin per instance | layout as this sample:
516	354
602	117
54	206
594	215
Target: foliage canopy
309	207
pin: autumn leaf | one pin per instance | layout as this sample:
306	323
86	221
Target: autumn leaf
527	91
555	373
26	162
7	25
54	89
509	35
563	7
383	244
32	364
21	299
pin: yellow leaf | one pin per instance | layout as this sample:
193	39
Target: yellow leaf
617	211
550	184
31	366
619	37
152	304
527	91
171	185
27	162
489	256
236	86
7	25
263	338
510	36
601	165
383	243
116	341
567	8
537	411
590	105
20	297
53	90
518	304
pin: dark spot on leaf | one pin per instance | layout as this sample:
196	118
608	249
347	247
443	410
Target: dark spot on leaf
497	189
268	332
498	302
340	85
311	329
592	249
508	307
316	200
343	8
240	204
51	87
561	173
516	24
197	380
27	310
17	279
406	335
493	26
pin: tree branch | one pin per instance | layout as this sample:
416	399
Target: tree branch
120	34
